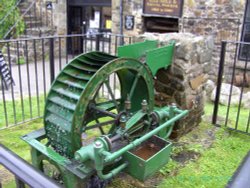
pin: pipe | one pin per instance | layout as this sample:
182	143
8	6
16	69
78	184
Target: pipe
24	171
112	173
113	156
99	163
171	114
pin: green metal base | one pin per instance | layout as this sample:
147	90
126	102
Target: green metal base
71	172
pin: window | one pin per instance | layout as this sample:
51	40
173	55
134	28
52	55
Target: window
245	36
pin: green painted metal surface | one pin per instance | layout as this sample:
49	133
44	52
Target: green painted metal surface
100	154
42	152
71	108
148	157
155	58
69	96
137	50
160	57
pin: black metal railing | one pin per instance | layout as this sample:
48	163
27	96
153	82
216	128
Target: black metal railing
24	173
234	110
33	65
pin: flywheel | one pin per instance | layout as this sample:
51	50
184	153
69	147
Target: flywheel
82	98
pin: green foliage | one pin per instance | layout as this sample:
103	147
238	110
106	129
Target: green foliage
172	165
10	20
21	61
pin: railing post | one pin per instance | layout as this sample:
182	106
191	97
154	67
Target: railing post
24	172
97	42
219	81
51	60
19	183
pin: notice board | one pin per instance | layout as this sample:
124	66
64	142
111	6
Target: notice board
172	8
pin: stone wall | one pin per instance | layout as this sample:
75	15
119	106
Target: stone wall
60	17
203	17
183	82
220	9
134	8
219	19
56	17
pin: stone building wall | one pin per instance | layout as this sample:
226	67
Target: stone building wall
216	15
60	17
55	17
219	19
183	82
134	8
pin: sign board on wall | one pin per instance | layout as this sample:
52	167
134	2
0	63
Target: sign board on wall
163	7
129	22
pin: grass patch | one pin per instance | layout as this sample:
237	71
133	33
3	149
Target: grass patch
233	113
18	111
205	157
213	156
215	166
217	163
11	138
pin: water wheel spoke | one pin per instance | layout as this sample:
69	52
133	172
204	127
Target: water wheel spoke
108	105
100	124
97	93
104	112
131	92
100	128
111	94
97	121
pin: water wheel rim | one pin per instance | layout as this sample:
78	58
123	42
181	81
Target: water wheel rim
72	136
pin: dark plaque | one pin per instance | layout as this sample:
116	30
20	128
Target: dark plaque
163	7
129	22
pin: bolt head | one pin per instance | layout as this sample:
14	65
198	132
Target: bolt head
98	144
173	104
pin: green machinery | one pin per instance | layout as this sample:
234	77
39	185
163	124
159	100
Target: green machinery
87	136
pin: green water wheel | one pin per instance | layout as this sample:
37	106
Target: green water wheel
73	105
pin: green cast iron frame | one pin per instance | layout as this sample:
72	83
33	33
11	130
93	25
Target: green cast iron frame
77	163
